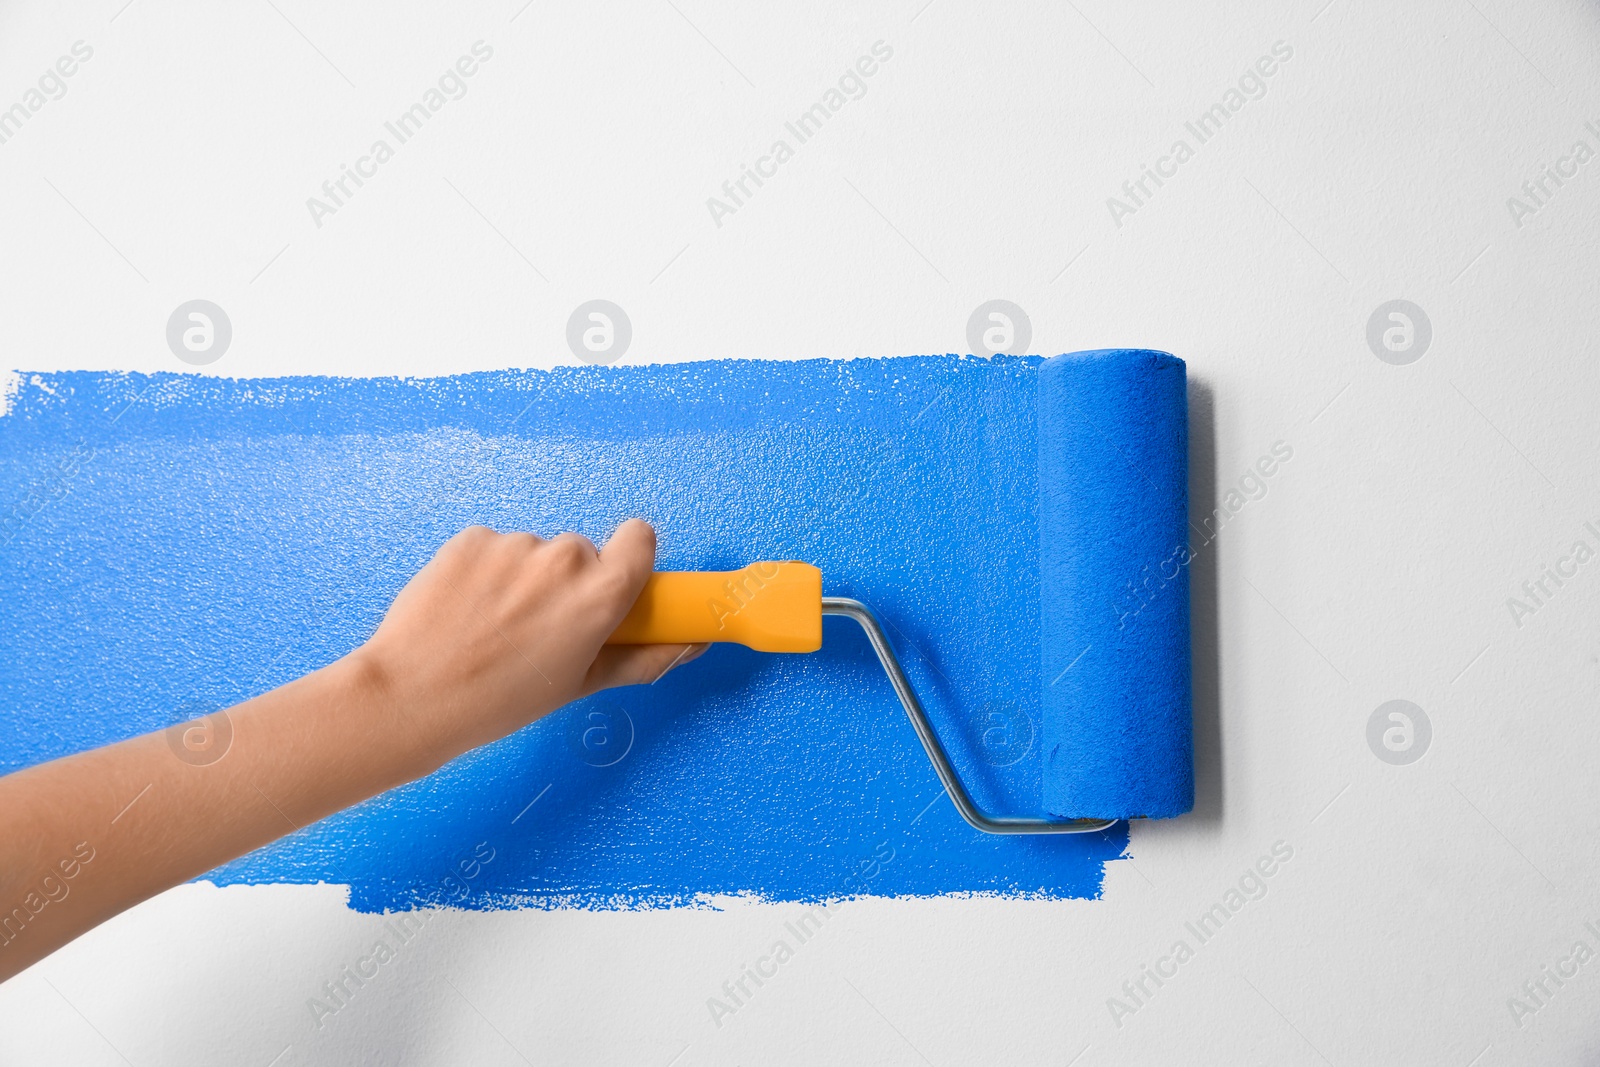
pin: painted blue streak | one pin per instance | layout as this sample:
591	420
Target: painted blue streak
177	543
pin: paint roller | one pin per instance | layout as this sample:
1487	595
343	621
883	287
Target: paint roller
1114	642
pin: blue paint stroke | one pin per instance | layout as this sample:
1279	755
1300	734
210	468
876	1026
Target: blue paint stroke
178	543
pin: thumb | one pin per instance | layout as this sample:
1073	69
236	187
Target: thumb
636	664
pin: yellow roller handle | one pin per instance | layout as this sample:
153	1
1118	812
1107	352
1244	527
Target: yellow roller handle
770	607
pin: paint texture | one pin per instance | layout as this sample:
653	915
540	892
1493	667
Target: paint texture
177	543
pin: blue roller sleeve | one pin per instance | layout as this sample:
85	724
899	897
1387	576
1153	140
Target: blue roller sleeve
1114	585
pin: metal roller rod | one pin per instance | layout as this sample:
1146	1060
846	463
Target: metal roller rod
855	609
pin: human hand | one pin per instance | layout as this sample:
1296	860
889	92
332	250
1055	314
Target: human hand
498	630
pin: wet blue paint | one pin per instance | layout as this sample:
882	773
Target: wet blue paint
188	541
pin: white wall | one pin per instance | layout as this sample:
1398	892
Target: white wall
1378	164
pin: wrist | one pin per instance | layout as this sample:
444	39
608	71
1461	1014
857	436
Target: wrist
398	725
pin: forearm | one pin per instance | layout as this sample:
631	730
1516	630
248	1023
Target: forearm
147	819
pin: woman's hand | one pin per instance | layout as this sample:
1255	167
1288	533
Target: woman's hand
501	629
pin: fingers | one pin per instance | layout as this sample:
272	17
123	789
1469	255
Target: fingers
630	557
689	654
637	664
465	544
632	547
576	543
480	564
